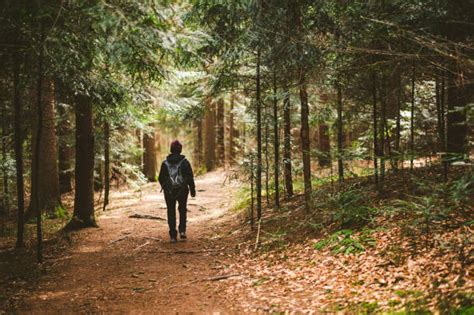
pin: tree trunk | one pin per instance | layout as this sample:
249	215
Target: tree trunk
304	131
398	127
210	136
383	115
198	147
388	146
220	133
287	145
456	118
65	151
340	135
267	163
439	91
139	143
84	215
252	201
392	104
5	175
412	120
259	138
305	143
460	87
46	169
324	146
276	143
233	132
99	177
37	143
106	164
20	188
150	166
374	125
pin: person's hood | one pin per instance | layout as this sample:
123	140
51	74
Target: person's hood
174	158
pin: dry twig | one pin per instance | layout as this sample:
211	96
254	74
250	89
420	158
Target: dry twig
119	239
146	216
215	278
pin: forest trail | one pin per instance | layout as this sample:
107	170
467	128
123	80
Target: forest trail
129	265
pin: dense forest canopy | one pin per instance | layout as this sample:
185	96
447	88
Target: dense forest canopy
286	94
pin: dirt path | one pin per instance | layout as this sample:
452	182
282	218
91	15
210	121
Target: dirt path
128	265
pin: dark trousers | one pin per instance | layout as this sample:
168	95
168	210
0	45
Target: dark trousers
182	200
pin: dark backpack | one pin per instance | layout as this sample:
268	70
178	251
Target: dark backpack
176	181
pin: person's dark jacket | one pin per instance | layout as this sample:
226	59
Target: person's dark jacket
186	171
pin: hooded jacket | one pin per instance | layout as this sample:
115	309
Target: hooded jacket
186	171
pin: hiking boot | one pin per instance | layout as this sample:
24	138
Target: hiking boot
173	240
182	235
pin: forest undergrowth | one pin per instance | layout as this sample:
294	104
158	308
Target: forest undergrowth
404	248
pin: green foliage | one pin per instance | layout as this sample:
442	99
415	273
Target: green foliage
346	242
461	190
244	199
351	207
133	174
435	204
424	208
61	212
368	307
273	240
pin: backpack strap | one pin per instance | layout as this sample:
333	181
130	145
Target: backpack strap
178	164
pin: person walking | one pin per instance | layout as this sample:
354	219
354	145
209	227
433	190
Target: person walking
177	181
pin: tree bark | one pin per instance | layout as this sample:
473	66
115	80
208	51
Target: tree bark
374	125
392	104
305	143
150	166
220	133
383	115
340	135
398	127
5	175
210	136
233	132
37	142
252	200
259	138
439	91
106	165
460	87
412	120
324	146
304	117
287	145
456	118
276	143
198	147
64	151
139	143
46	168
267	163
20	187
84	215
